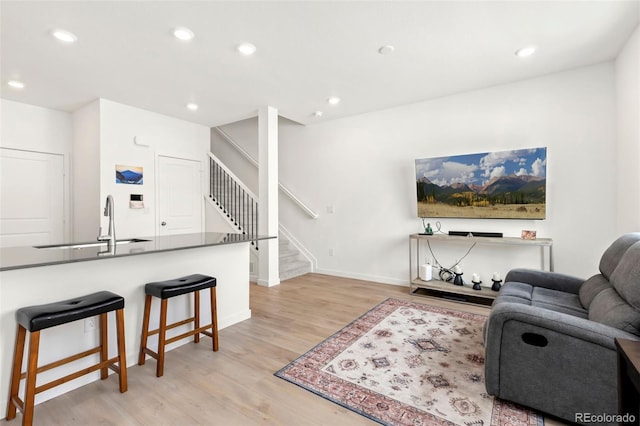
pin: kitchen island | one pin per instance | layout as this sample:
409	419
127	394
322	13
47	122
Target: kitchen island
33	276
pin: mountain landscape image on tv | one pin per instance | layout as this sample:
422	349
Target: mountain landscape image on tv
493	185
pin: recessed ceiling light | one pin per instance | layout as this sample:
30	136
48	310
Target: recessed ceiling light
523	52
64	35
246	49
386	50
334	100
317	114
192	106
16	84
183	33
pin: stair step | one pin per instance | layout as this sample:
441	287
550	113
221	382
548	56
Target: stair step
295	263
289	253
301	268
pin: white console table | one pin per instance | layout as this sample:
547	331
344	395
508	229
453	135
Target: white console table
466	293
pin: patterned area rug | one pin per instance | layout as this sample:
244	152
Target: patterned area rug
405	363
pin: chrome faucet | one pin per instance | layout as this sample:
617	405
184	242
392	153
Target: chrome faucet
110	238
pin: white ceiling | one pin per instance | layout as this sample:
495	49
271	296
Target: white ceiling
306	52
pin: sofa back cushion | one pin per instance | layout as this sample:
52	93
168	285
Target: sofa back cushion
619	305
626	277
591	288
614	253
610	309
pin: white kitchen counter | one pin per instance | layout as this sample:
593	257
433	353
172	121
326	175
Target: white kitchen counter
49	275
32	256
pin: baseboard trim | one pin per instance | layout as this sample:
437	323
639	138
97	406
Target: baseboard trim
268	283
365	277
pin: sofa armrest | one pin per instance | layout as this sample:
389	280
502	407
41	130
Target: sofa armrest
551	361
546	279
571	326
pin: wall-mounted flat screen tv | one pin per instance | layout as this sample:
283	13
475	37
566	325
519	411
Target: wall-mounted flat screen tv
490	185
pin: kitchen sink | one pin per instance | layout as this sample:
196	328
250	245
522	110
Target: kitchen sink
90	244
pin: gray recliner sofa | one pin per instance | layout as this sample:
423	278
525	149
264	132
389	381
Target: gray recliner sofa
549	339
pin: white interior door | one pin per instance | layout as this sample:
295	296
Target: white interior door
31	198
180	199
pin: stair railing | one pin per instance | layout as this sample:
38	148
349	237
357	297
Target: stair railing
283	188
234	199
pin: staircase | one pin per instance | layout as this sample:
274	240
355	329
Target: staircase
291	262
239	205
232	198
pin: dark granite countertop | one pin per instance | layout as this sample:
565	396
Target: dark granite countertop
29	257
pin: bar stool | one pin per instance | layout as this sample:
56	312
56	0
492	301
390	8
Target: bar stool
165	290
39	317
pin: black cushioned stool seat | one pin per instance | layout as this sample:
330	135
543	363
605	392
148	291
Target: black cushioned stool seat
165	290
179	286
39	317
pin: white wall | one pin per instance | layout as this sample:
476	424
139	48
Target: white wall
215	221
363	167
86	172
166	136
244	132
33	128
93	140
628	138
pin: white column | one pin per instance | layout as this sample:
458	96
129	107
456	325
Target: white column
269	270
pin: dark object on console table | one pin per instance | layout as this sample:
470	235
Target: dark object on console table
476	234
496	285
549	339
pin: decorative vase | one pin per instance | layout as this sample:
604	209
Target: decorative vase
428	230
496	285
458	279
476	285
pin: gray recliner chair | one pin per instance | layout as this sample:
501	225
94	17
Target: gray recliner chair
549	339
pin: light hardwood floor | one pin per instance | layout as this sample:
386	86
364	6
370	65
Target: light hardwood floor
236	385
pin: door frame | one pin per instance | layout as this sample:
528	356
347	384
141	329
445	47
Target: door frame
203	175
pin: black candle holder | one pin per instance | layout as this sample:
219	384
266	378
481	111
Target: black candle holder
458	279
496	285
476	285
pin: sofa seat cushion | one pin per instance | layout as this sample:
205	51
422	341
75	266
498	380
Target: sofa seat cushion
559	301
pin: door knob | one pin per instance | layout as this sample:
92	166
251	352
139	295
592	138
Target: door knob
163	223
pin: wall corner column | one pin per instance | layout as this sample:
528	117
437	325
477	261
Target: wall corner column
268	216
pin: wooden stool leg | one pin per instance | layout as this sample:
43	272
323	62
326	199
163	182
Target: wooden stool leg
18	353
214	318
30	386
162	334
104	342
122	357
145	329
196	315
